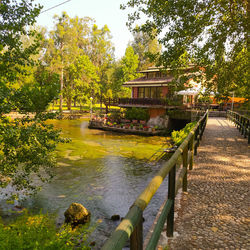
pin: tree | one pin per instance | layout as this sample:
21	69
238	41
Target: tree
83	75
145	47
125	70
74	39
64	45
210	34
101	52
27	144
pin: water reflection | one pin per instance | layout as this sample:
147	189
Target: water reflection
103	171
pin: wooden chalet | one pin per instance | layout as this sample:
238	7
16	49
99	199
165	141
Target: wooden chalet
152	91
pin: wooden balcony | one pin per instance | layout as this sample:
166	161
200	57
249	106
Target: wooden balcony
142	102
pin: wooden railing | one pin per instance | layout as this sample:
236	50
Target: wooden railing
142	101
131	226
241	122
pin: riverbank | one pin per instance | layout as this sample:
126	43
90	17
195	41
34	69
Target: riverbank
70	115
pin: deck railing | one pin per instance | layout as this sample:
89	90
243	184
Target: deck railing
241	122
142	101
131	226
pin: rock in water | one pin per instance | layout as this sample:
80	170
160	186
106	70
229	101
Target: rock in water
77	214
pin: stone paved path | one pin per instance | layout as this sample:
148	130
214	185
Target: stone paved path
214	213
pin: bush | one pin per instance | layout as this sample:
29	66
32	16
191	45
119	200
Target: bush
174	100
115	116
137	114
40	232
179	136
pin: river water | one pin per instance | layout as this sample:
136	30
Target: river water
105	172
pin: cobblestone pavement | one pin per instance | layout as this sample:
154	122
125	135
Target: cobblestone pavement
214	213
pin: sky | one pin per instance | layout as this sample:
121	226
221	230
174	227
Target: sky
103	11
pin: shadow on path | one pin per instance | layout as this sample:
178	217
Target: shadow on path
214	213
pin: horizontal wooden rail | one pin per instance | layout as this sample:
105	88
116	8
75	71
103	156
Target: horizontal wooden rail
131	225
241	122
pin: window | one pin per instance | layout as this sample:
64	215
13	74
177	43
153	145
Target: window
151	75
158	74
147	92
140	92
156	92
150	92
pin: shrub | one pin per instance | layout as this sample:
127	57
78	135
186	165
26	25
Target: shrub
179	136
115	116
136	114
40	232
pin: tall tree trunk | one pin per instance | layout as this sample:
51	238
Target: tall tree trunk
61	90
69	102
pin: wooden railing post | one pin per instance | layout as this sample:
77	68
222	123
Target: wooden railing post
245	128
136	238
203	125
243	125
192	153
185	165
196	141
171	196
248	135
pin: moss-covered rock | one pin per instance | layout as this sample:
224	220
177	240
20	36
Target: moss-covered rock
77	214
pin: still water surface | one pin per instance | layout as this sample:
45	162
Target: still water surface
105	172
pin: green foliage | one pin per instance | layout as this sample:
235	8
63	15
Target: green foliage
205	99
40	232
145	47
125	70
174	100
36	96
211	35
84	78
26	144
82	54
115	116
179	136
26	150
15	16
136	114
101	53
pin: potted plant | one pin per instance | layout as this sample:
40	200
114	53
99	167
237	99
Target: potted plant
156	127
140	127
127	126
131	125
145	128
109	124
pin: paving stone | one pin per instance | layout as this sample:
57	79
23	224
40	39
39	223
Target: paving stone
214	214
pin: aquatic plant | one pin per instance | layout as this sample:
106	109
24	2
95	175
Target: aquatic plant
179	136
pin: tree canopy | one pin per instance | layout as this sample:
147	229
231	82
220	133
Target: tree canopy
146	48
27	144
75	43
210	34
125	70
